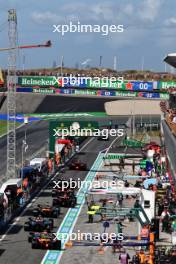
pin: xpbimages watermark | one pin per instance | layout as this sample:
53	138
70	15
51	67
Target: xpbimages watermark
74	184
105	81
87	132
83	236
71	27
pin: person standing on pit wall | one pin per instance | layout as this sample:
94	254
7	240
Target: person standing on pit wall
160	207
142	257
120	199
124	257
174	225
121	164
77	148
50	165
136	259
90	216
57	158
173	257
165	218
145	231
126	183
144	173
133	168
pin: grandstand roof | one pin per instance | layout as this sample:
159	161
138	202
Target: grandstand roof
171	59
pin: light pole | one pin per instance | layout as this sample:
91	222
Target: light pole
142	63
150	124
24	60
134	120
24	144
61	66
26	121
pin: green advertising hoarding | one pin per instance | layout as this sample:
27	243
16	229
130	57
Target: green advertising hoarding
126	93
133	143
106	83
167	85
85	92
42	81
164	96
112	156
53	81
44	90
72	116
55	127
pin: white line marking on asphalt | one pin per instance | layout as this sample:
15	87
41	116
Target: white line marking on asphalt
79	211
88	142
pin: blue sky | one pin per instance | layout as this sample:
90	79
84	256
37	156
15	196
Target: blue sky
149	32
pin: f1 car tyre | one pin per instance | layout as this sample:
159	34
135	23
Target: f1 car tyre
29	238
56	213
73	203
55	202
26	227
36	212
34	245
57	245
54	193
51	221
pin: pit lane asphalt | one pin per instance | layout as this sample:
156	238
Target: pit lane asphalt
37	136
37	132
15	247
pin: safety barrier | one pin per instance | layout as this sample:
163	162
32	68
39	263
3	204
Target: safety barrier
133	143
171	125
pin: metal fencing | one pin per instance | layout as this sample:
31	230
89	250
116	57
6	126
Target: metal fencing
170	143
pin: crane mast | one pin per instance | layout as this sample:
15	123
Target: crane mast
11	96
11	91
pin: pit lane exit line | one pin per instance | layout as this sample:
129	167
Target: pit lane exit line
67	225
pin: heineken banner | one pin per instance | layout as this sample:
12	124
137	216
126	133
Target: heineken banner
41	81
62	91
166	85
164	96
86	82
105	83
126	85
52	82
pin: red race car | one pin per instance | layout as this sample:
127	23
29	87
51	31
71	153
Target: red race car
77	165
152	145
65	199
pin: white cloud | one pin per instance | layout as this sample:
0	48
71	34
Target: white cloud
149	9
99	12
103	11
170	21
45	17
84	39
134	16
129	9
